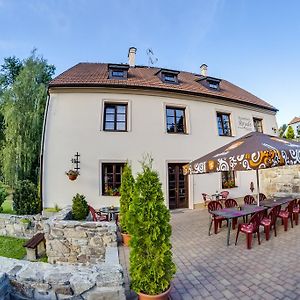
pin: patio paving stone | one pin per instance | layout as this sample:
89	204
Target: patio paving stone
208	269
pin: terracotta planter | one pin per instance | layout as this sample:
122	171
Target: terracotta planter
72	177
126	238
162	296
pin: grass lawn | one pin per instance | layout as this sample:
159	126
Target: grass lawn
12	247
7	207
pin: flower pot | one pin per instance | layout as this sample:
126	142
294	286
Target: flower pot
126	238
162	296
72	177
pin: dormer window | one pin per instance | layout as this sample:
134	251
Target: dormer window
168	76
211	82
118	72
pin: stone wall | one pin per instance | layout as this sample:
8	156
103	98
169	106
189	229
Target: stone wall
281	181
20	226
29	280
77	241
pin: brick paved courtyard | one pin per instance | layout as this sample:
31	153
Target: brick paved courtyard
207	269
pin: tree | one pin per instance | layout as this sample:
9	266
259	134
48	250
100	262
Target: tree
23	110
126	190
290	134
151	265
282	130
9	71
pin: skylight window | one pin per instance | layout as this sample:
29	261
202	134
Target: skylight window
213	85
210	82
117	73
168	76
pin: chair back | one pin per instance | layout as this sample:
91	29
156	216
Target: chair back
205	197
291	205
93	212
273	214
262	197
230	203
256	219
214	205
248	199
224	194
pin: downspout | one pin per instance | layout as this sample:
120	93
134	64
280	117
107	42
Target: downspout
42	148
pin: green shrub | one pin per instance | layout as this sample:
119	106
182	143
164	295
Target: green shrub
127	186
290	134
151	265
25	198
3	195
80	208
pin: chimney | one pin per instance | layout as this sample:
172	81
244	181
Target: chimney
131	57
203	70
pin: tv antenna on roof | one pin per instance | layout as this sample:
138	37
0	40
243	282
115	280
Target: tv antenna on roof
151	58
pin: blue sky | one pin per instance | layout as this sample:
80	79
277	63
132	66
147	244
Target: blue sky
254	44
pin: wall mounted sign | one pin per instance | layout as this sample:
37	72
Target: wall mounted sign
245	123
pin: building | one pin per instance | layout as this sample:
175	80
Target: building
112	113
295	124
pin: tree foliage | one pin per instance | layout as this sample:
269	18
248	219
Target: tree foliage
3	194
9	71
282	130
151	265
127	187
290	134
23	109
25	198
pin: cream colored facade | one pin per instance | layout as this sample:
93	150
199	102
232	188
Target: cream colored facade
74	123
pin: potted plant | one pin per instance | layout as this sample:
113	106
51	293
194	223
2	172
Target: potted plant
151	265
72	174
127	187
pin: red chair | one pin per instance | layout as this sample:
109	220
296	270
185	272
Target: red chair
287	214
97	216
224	195
206	199
270	221
296	212
215	205
248	199
262	197
229	203
250	228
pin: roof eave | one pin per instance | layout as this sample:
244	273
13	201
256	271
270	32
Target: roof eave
94	85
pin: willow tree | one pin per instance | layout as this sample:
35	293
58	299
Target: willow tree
23	110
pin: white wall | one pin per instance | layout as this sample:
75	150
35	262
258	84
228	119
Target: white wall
74	123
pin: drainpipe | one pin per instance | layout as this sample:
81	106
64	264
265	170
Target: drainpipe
42	149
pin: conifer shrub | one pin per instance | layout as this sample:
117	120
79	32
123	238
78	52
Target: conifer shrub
127	187
290	134
25	198
80	208
151	265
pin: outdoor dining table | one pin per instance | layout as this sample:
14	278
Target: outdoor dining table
235	212
272	202
111	211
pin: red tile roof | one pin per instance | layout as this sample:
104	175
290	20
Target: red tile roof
295	120
96	75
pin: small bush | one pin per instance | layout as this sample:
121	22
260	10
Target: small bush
25	198
3	195
80	208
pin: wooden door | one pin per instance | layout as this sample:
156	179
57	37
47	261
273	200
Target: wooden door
178	187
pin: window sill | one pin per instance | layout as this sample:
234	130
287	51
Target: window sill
111	195
226	135
179	133
228	188
106	130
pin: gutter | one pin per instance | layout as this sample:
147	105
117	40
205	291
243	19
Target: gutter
42	149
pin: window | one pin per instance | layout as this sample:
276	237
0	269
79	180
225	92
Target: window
228	180
111	178
224	127
213	85
168	76
257	125
175	120
115	117
210	82
118	71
